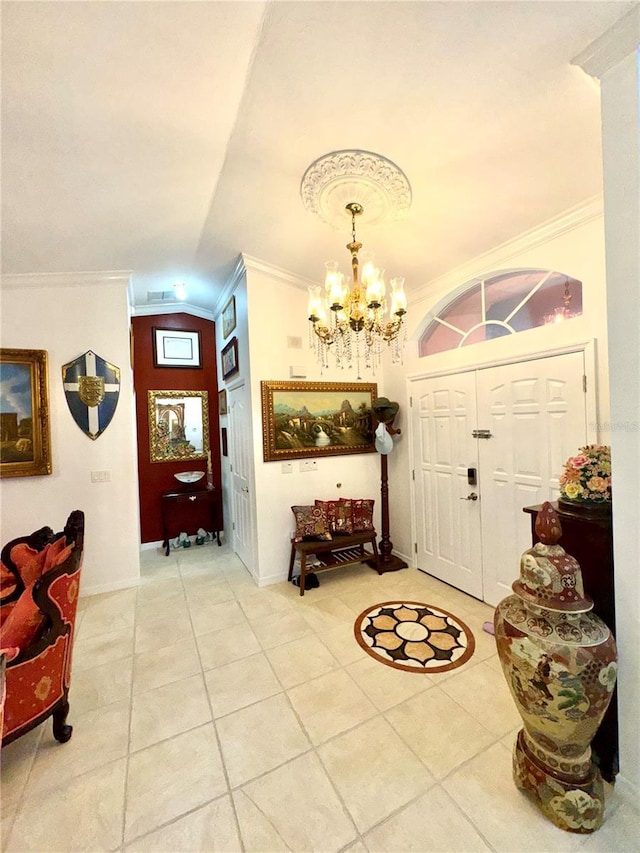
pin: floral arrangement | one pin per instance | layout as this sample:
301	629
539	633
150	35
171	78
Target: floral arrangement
587	476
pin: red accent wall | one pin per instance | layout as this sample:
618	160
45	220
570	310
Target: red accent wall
155	478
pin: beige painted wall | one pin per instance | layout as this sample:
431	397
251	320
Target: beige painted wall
578	252
619	58
66	317
277	311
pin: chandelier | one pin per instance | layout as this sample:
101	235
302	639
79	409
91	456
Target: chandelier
355	322
562	312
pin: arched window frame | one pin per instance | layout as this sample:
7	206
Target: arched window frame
438	314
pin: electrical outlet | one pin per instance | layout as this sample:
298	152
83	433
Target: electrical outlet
101	476
309	465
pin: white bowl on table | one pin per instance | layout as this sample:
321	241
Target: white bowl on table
189	476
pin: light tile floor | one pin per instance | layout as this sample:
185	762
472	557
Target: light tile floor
210	715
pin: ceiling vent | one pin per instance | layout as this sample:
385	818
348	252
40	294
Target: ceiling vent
161	296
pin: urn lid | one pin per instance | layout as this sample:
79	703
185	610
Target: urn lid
549	577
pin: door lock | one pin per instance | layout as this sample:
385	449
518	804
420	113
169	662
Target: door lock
481	433
472	497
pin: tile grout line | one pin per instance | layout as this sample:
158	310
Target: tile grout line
238	593
128	759
215	727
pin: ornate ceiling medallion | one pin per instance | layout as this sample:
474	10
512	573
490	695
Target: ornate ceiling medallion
341	177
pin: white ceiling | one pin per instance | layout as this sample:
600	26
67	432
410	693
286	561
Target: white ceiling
167	137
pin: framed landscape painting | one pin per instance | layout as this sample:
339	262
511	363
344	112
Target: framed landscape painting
25	443
307	419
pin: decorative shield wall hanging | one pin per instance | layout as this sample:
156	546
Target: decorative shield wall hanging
92	388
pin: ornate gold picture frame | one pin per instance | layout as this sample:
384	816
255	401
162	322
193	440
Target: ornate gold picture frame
307	419
25	435
178	425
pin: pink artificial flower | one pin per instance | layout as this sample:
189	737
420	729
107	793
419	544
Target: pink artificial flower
578	461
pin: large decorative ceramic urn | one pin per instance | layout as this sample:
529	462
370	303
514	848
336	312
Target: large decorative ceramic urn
559	660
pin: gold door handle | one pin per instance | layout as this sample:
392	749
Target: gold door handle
472	497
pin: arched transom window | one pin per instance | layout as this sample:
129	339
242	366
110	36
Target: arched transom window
501	304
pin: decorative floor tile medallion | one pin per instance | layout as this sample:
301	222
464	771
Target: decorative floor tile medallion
413	636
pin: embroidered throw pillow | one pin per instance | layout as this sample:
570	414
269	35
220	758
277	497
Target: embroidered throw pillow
56	553
23	623
311	524
28	562
339	517
362	515
7	581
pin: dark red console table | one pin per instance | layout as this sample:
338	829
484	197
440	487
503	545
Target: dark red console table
181	511
590	540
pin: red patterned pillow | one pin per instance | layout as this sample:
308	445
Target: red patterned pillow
339	516
28	562
23	623
7	581
311	524
56	553
362	514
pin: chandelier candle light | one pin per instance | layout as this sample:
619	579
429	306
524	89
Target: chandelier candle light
354	323
562	312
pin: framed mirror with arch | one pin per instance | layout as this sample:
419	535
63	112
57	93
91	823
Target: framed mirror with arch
178	425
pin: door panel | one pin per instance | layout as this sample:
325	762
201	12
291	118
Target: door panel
536	413
448	529
240	461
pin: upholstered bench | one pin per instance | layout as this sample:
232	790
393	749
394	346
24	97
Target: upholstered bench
345	550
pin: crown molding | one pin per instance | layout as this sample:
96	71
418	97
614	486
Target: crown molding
173	308
612	46
230	286
255	264
568	221
18	281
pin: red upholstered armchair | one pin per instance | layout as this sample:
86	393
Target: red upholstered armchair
40	582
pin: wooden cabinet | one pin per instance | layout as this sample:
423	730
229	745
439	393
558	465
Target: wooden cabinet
590	540
189	510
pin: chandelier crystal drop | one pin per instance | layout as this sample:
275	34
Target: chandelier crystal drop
354	323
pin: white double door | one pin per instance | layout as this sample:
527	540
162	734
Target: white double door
469	491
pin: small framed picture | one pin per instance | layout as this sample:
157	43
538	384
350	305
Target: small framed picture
176	348
229	317
230	359
222	403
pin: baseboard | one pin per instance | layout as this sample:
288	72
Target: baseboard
149	546
269	580
407	559
108	587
